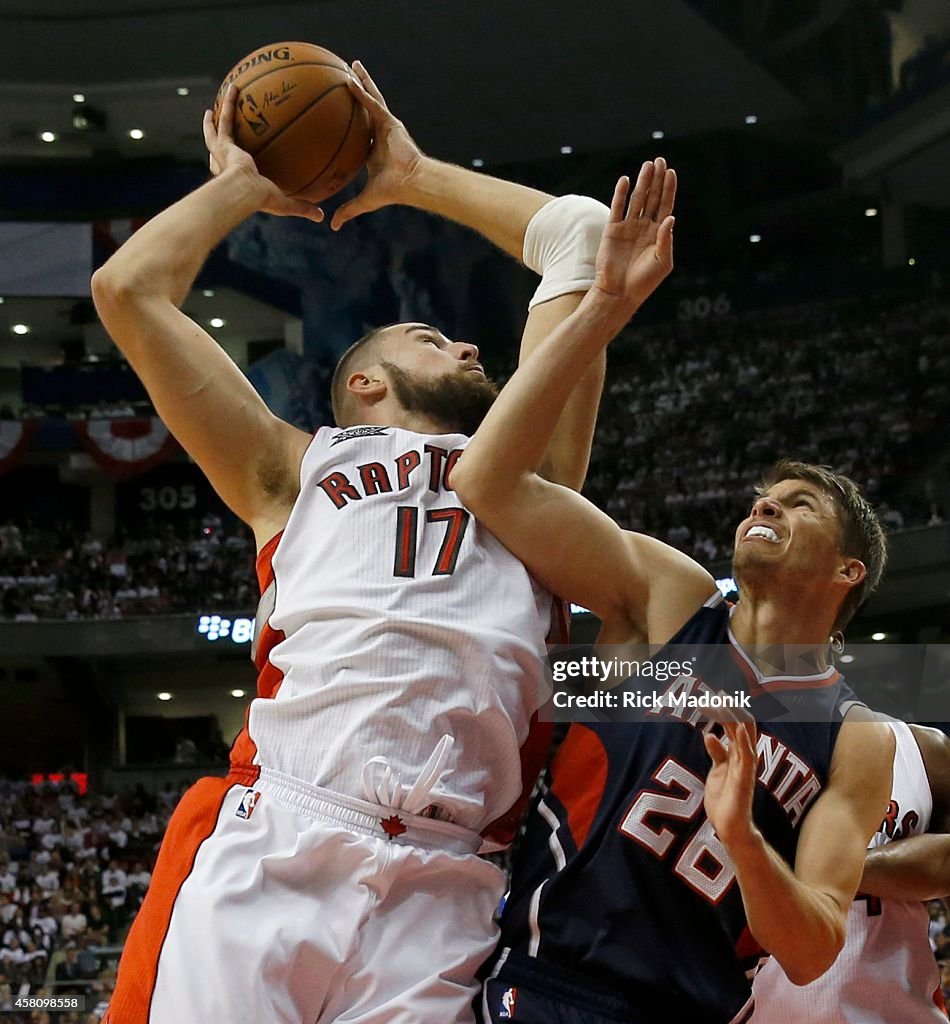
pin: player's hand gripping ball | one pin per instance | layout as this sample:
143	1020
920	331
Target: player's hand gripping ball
297	118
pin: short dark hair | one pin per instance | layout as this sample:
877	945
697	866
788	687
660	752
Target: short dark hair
862	535
345	367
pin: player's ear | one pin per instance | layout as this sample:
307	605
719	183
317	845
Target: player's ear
366	386
852	571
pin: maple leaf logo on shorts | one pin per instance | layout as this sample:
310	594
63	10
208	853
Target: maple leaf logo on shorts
392	826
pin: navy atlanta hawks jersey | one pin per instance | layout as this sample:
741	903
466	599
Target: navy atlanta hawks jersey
398	641
621	890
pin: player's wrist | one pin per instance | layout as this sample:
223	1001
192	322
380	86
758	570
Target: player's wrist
243	188
743	841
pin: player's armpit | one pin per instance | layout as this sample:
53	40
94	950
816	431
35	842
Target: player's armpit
251	457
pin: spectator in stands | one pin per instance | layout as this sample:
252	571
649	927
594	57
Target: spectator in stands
73	923
69	970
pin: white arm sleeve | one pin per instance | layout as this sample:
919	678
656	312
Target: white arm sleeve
560	244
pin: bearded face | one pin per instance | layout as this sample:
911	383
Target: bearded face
460	399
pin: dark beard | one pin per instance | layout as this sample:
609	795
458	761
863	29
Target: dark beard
460	400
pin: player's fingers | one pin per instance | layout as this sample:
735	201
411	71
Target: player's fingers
367	82
207	130
348	210
652	203
715	748
226	116
364	98
299	208
668	196
640	190
619	202
663	250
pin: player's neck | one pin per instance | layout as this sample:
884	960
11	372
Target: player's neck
783	631
393	415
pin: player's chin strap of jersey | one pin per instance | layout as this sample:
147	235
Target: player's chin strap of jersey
386	787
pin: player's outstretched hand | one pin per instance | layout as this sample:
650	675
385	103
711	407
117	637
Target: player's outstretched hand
636	249
224	154
392	160
730	783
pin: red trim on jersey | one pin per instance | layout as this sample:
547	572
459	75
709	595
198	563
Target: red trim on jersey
534	750
766	684
939	1001
192	822
747	946
264	562
269	678
578	777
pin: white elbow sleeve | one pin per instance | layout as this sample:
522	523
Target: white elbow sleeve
561	243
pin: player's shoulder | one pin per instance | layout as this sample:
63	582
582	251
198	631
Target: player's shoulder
934	747
660	561
673	585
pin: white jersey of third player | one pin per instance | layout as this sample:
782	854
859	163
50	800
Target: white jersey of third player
886	973
396	636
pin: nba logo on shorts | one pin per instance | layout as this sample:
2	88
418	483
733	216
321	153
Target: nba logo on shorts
248	803
508	1004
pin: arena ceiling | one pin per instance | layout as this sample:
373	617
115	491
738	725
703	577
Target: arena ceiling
499	81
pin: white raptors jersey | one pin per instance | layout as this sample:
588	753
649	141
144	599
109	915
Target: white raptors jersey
399	642
886	973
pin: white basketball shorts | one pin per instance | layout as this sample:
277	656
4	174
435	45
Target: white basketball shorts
273	901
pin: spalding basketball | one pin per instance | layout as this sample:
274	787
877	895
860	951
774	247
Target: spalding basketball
297	118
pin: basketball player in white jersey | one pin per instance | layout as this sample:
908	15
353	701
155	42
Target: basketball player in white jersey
886	973
332	875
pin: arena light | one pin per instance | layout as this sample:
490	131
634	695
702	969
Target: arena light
20	329
879	636
754	239
137	134
216	321
1	300
751	119
183	90
478	162
237	693
79	97
871	211
658	134
846	659
208	293
48	136
566	150
164	695
912	262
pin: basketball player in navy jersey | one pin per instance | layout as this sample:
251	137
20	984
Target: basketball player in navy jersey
333	874
663	857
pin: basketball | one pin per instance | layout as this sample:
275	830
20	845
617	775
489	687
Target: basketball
297	118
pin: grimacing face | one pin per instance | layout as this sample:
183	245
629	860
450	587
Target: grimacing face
792	528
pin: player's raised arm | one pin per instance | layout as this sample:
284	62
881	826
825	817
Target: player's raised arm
571	546
251	457
799	916
556	238
918	867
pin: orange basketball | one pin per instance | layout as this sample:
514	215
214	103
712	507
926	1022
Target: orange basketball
297	118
